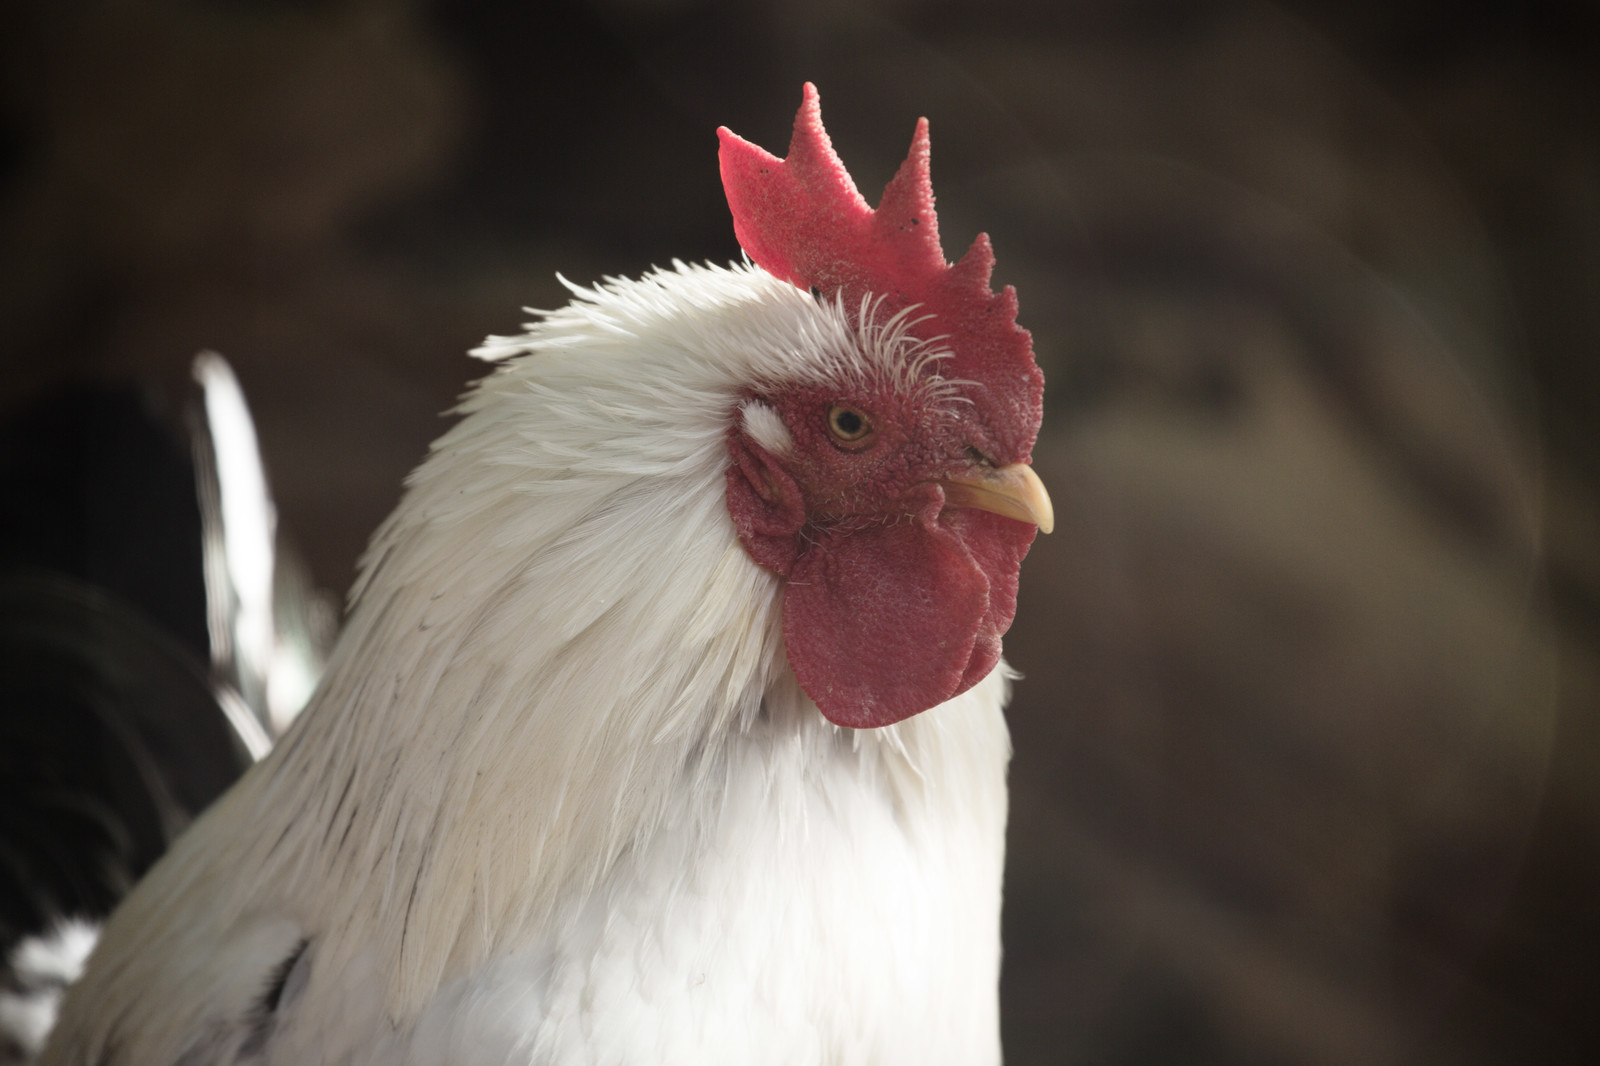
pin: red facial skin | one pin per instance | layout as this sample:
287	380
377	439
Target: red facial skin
894	603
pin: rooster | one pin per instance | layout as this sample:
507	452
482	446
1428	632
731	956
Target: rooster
666	725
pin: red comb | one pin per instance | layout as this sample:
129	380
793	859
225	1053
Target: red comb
800	218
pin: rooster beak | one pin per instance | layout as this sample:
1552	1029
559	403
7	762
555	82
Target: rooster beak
1013	491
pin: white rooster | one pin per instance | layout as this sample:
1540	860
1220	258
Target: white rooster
666	724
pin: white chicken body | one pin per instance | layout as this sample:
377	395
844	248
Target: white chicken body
560	798
823	919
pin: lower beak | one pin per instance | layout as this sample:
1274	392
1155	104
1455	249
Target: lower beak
1013	491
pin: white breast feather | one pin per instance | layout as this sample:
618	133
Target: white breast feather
558	798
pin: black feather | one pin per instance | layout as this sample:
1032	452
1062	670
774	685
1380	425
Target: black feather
264	1015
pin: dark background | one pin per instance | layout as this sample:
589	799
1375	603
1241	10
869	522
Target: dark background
1308	752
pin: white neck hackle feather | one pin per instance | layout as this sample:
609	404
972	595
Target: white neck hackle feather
555	634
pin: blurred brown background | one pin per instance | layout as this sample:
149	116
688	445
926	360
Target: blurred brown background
1308	753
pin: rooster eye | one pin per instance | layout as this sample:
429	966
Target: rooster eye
848	425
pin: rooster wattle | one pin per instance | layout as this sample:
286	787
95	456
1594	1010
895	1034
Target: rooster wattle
666	723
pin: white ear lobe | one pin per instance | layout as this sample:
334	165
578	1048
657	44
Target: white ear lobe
762	425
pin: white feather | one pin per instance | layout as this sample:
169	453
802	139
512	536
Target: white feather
764	425
559	798
32	980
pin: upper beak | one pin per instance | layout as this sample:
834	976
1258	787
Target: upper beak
1014	491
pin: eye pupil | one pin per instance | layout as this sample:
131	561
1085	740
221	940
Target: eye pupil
848	425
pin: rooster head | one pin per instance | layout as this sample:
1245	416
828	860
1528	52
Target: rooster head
892	492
